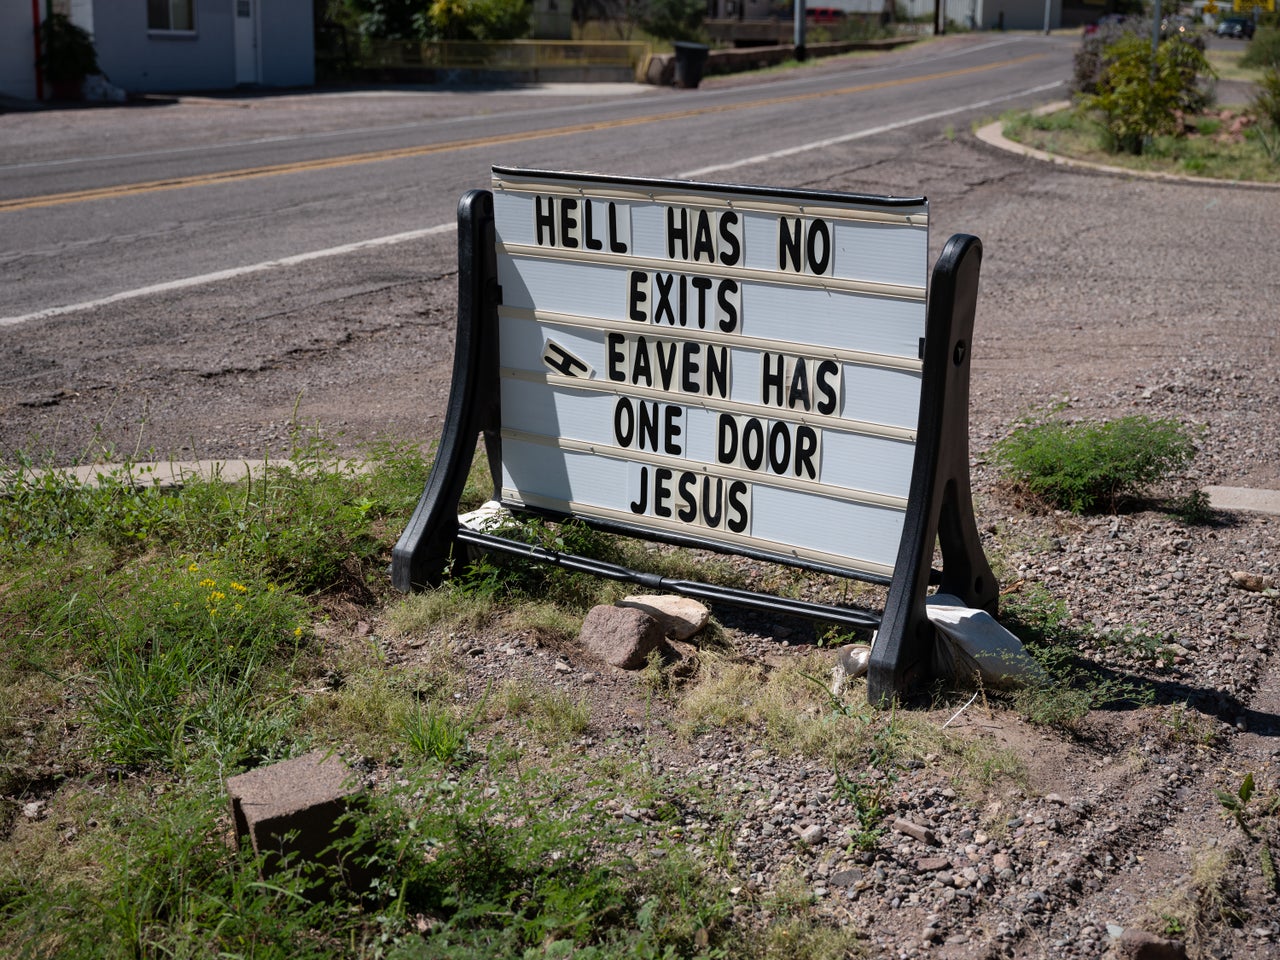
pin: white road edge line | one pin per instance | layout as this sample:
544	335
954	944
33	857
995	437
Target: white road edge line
411	235
231	273
860	134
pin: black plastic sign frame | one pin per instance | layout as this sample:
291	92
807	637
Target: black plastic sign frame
938	504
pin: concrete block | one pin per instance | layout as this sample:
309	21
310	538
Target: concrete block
293	807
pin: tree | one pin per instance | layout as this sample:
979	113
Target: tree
1140	96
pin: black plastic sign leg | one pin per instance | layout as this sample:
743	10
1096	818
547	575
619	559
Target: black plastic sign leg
939	504
422	555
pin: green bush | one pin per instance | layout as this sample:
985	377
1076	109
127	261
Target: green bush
1264	49
1266	102
1085	466
1139	98
478	19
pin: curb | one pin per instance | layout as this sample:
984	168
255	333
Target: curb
172	474
1244	499
993	135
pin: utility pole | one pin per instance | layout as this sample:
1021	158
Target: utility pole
799	30
939	17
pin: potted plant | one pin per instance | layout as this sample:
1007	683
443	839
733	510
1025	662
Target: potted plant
66	56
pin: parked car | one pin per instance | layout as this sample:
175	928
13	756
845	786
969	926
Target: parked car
1241	28
824	15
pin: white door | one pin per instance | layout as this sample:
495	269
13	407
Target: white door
246	41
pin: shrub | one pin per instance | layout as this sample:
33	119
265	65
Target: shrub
1090	63
1084	466
1266	102
673	19
1264	49
478	19
1138	98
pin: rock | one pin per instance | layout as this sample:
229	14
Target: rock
923	834
932	864
681	617
1137	944
33	810
1253	582
622	636
845	878
813	834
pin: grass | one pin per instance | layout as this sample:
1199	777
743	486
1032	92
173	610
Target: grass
155	642
1074	133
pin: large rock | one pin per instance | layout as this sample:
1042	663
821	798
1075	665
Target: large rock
681	617
622	636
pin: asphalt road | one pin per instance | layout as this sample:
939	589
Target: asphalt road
144	308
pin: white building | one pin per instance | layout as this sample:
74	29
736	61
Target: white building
173	45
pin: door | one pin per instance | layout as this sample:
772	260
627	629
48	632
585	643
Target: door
247	41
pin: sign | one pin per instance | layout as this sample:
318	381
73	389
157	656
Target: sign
735	365
1211	7
1248	6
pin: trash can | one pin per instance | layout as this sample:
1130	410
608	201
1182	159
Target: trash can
690	59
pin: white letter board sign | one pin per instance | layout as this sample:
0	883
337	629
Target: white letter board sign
736	366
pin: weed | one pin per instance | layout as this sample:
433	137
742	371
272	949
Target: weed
1071	687
1086	466
556	718
1236	804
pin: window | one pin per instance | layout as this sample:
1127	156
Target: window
178	16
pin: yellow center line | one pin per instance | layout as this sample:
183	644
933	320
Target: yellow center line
379	156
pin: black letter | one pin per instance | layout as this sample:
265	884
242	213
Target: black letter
789	245
681	233
717	371
624	422
647	438
642	504
639	283
689	369
671	431
664	298
729	322
615	245
689	512
703	248
819	228
738	490
827	369
661	492
799	385
712	508
730	249
617	357
702	285
806	447
752	434
778	461
588	231
544	219
727	439
771	380
567	206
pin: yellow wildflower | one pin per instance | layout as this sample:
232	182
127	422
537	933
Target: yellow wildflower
194	568
238	587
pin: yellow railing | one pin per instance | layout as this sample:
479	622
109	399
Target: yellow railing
504	54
